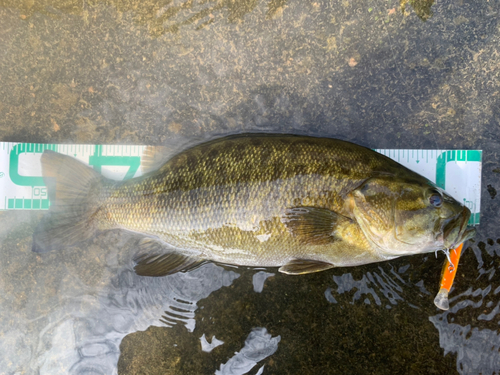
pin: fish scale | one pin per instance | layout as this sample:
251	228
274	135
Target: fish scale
223	204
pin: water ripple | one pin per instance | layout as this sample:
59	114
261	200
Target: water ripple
368	285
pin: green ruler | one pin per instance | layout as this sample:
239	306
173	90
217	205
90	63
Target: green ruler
22	187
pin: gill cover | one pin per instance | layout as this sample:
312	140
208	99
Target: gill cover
398	216
373	209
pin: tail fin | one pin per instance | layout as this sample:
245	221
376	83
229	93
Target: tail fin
75	193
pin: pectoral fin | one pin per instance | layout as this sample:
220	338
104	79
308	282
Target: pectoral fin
313	226
158	259
303	266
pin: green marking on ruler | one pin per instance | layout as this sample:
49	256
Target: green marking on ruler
18	203
461	155
441	170
14	163
98	160
474	219
447	156
474	155
28	204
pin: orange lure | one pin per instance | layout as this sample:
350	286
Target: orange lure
447	277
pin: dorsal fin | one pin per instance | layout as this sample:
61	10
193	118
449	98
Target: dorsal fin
153	157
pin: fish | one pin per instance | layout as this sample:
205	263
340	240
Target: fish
301	204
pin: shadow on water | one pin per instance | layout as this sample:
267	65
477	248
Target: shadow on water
177	73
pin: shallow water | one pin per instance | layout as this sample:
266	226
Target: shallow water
178	72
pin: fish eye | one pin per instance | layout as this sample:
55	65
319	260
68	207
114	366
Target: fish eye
436	199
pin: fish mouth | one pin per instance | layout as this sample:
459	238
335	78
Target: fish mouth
456	230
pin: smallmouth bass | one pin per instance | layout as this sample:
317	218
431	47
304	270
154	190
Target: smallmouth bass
302	204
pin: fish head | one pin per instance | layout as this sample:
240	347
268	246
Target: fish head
403	216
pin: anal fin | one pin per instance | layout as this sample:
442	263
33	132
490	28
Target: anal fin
303	266
156	258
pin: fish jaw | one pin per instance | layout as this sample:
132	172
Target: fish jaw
453	235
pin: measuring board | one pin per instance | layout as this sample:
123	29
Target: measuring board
22	187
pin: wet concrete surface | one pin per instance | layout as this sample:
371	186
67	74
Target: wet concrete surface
383	74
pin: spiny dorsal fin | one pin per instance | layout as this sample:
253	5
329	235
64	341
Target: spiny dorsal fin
153	157
313	226
157	258
303	266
